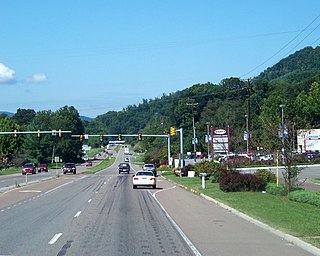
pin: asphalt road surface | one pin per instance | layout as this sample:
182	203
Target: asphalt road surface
102	215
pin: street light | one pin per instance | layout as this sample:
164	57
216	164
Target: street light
194	131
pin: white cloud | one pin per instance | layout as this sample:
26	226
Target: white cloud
37	78
6	75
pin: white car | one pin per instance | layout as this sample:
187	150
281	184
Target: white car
144	178
127	160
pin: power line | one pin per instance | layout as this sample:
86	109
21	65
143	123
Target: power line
282	48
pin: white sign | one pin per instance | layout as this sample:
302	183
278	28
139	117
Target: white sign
220	131
56	159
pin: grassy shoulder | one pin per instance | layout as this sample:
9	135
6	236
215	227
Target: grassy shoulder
11	170
102	165
298	219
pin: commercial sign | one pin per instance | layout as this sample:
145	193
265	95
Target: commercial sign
221	140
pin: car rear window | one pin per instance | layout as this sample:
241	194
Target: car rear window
144	174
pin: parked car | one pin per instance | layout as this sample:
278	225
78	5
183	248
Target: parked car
69	168
42	168
29	168
88	163
144	178
150	167
124	167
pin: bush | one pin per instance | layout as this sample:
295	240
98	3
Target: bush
266	175
208	167
220	173
304	196
186	169
273	189
238	182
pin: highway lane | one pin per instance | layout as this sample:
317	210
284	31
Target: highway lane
89	215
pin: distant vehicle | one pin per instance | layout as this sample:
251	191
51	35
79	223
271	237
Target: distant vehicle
124	167
127	160
88	163
144	178
69	168
28	168
42	168
126	151
150	167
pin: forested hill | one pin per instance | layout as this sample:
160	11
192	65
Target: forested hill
298	67
294	81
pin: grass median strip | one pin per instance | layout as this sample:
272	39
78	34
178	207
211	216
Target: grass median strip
102	165
297	219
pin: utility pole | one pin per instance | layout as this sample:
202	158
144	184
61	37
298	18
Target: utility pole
194	131
248	115
208	138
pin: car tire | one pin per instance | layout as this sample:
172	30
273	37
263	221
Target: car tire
74	172
154	186
134	186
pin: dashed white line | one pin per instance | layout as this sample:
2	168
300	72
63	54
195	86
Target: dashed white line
89	201
77	214
55	238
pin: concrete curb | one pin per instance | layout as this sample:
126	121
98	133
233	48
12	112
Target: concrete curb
292	239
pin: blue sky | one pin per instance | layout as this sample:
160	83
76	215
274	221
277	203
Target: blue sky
102	55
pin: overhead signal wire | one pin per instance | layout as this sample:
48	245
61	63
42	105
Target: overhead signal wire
282	48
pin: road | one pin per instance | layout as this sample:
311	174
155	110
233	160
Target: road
102	215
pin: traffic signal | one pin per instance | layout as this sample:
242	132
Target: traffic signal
119	137
81	137
101	137
172	131
60	133
140	136
39	135
15	134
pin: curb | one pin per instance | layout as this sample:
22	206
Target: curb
292	239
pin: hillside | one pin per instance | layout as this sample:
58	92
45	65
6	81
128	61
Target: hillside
224	104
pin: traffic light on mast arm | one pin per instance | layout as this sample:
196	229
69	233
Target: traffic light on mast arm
172	131
81	137
119	137
39	135
60	133
101	137
140	136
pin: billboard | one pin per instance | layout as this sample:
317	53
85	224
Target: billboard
221	140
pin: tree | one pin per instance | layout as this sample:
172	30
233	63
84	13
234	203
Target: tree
24	116
8	143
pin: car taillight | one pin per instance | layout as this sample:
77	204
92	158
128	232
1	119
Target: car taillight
135	178
151	178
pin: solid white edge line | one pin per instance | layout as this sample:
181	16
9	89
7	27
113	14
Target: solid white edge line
55	238
176	226
77	214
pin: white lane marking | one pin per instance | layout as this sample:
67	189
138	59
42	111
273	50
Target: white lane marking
55	238
89	201
77	214
105	183
183	235
30	191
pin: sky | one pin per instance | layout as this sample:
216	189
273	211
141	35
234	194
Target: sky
103	55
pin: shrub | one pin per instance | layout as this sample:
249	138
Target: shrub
220	173
186	169
266	175
237	182
273	189
208	167
304	196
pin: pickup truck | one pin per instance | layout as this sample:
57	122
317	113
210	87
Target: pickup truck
150	167
124	167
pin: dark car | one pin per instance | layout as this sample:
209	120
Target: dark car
42	168
29	168
124	167
69	168
89	163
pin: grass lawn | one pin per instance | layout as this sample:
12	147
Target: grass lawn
298	219
102	165
11	170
